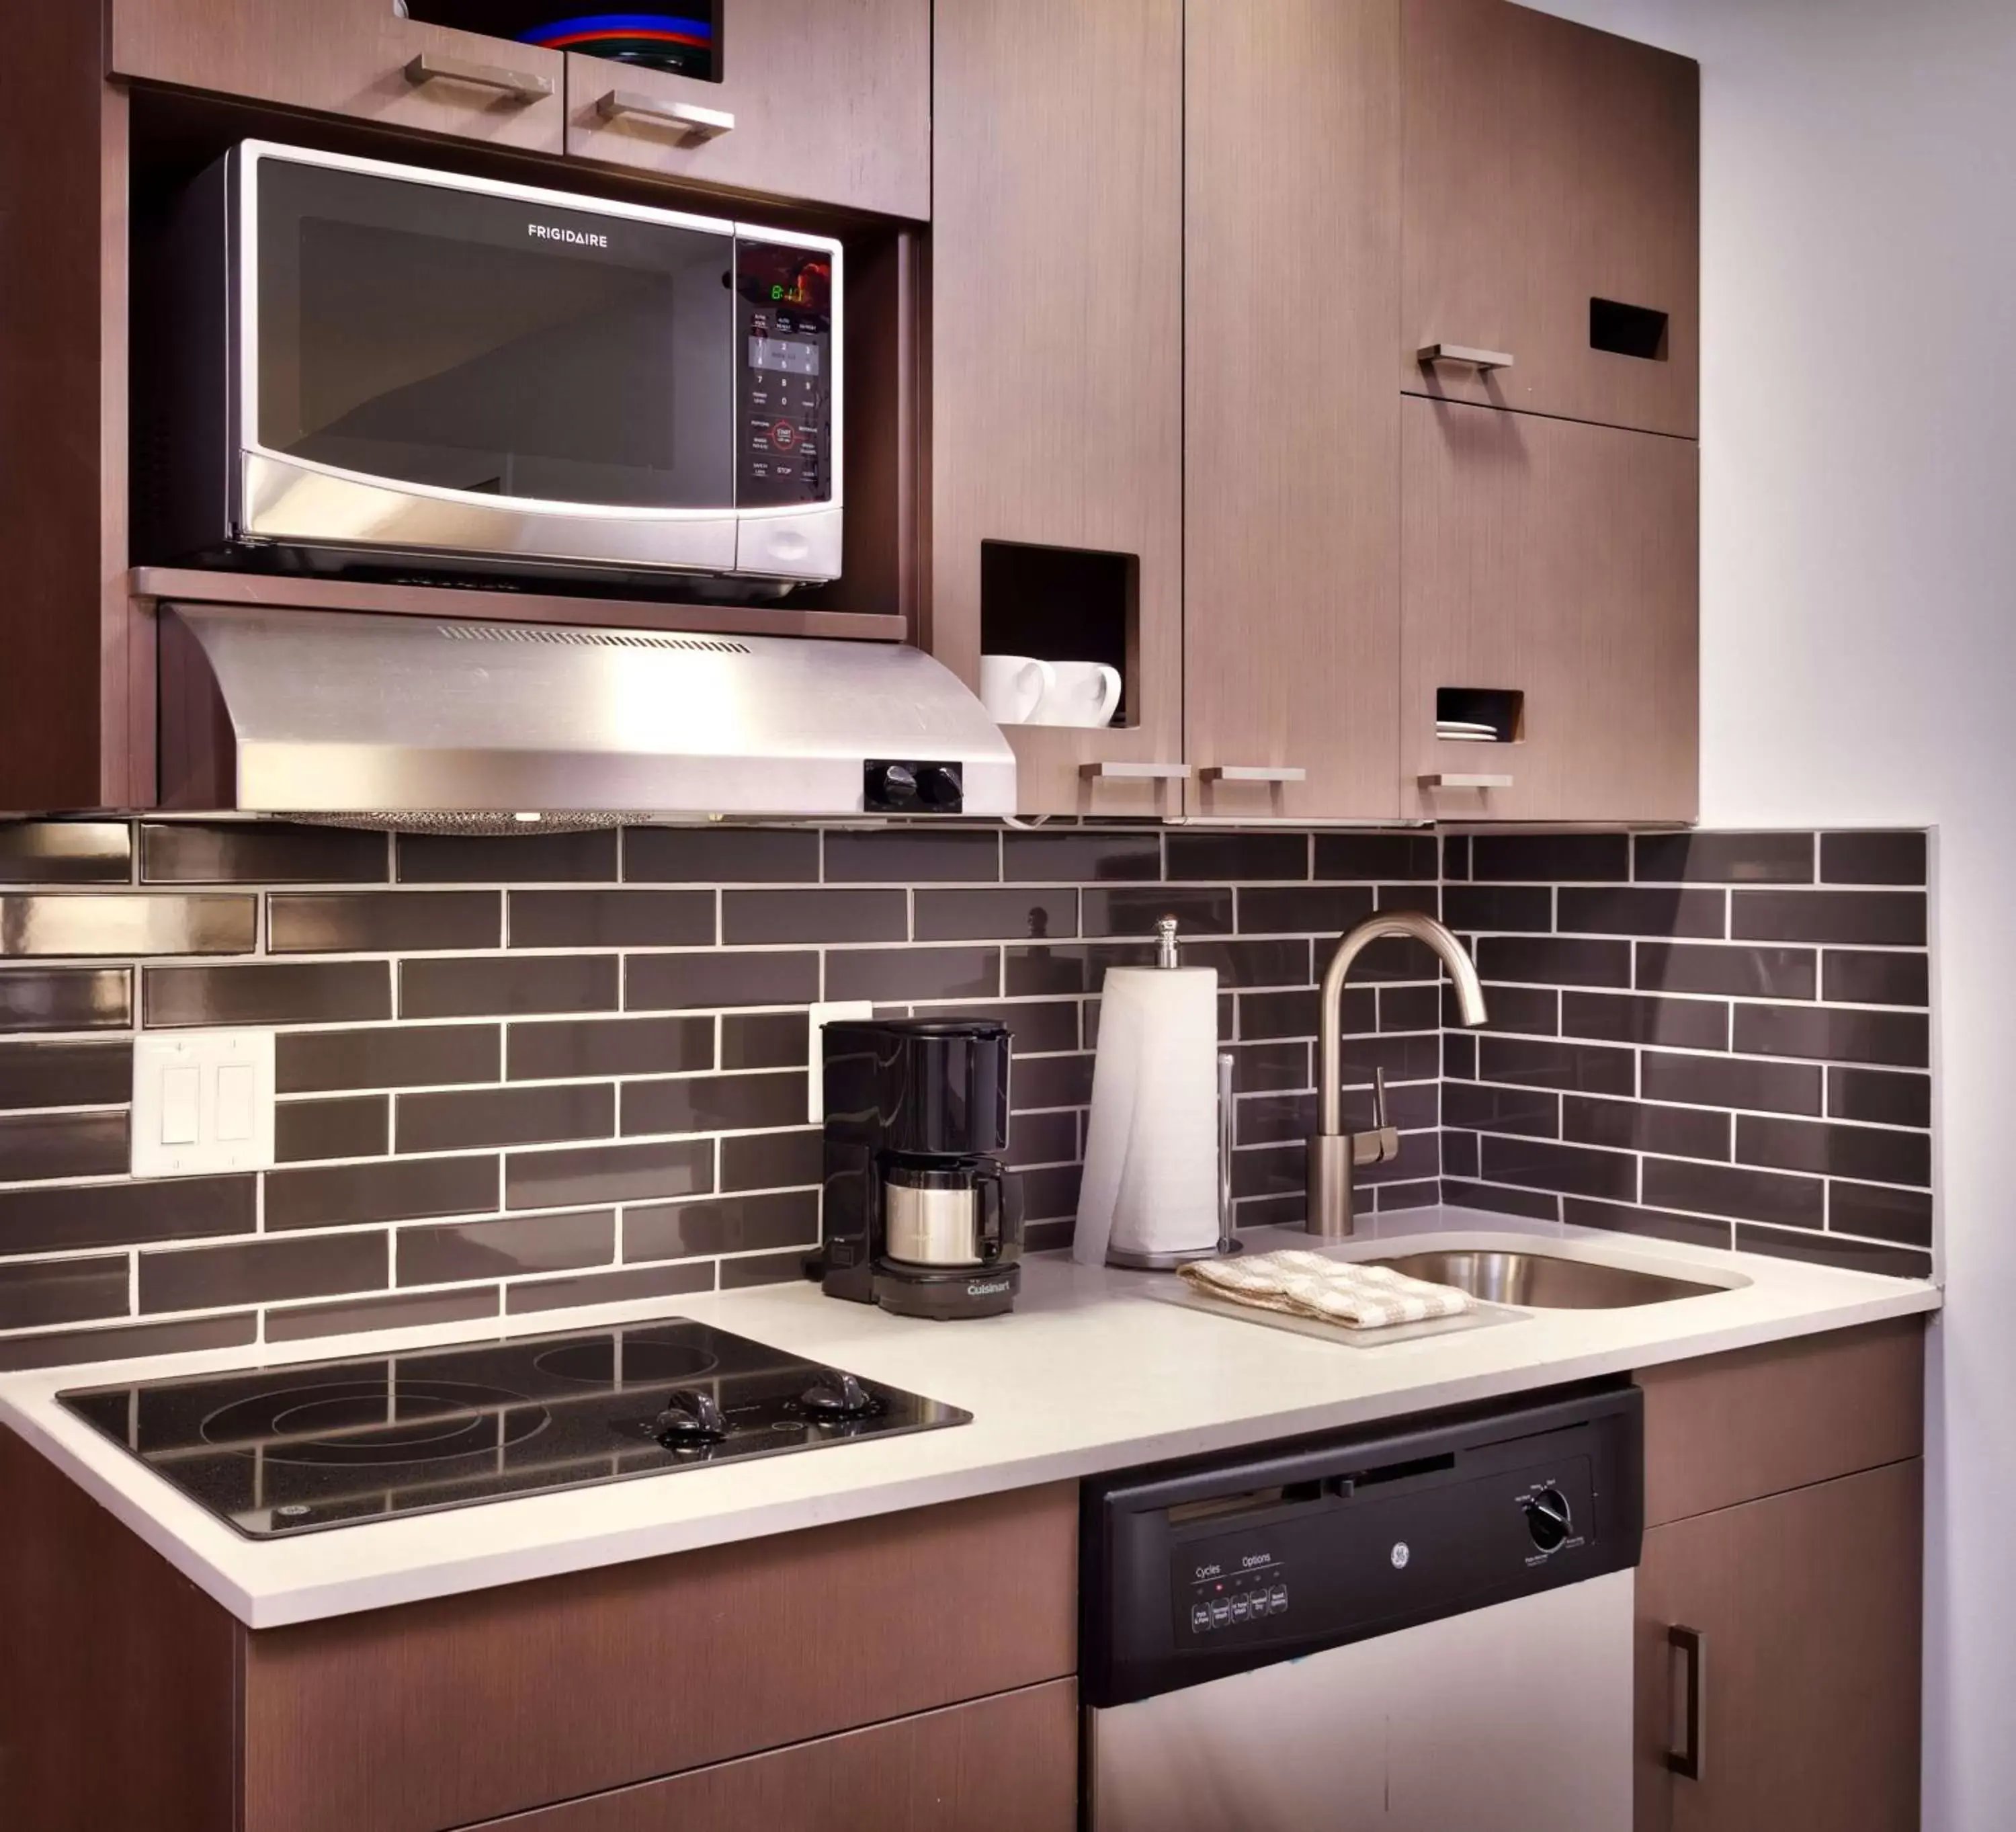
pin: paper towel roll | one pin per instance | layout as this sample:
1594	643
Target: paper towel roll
1151	1153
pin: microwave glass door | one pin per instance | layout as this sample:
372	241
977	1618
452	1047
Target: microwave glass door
419	334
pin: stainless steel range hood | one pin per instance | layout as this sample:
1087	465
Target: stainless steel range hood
411	720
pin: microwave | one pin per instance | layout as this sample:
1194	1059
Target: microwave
353	366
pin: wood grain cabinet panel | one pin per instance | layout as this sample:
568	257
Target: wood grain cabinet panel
1547	165
346	57
1809	1606
443	1714
1291	538
1559	561
1008	1764
831	100
1057	344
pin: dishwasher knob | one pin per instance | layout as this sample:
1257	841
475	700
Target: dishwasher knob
1548	1519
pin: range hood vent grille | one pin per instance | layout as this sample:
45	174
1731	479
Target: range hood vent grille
569	637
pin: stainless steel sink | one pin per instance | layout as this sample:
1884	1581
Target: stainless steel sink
1542	1281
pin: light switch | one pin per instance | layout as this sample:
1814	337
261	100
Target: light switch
181	1106
202	1102
234	1087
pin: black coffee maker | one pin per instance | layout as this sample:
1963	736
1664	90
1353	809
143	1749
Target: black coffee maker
919	1216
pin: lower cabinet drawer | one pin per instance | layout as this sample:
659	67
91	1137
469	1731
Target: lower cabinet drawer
1008	1764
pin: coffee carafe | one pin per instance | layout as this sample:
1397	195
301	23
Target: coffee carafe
919	1215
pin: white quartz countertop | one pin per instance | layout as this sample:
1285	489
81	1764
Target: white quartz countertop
1097	1369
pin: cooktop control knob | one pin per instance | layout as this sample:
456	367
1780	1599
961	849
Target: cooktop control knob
835	1396
1548	1519
891	787
940	785
690	1417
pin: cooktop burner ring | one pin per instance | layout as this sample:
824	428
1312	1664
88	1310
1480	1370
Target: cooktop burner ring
344	1423
646	1363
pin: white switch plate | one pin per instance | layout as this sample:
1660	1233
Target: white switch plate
203	1101
845	1011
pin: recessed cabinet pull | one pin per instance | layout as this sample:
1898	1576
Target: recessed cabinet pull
1136	772
521	84
1484	361
1690	1762
1444	781
1239	772
694	124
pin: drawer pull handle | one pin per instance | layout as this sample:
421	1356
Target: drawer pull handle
519	84
1690	1761
695	125
1484	361
1136	772
1443	780
1239	772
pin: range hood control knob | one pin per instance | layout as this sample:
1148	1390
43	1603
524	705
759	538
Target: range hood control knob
940	785
891	787
1548	1519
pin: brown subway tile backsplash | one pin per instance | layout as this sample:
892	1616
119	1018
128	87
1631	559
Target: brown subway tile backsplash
711	980
98	1074
720	856
262	1272
65	852
1698	1037
261	852
590	858
65	999
291	992
578	1048
337	1195
382	922
462	1119
1835	1250
405	1056
492	985
474	1250
612	919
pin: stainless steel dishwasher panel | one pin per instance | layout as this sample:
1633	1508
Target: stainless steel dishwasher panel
1500	1719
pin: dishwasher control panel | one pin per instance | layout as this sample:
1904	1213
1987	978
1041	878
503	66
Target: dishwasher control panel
1212	1568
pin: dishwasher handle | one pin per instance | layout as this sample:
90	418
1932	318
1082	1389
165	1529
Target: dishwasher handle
1689	1761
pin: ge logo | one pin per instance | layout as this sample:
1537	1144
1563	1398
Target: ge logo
1400	1555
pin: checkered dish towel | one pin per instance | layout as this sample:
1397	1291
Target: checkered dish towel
1333	1292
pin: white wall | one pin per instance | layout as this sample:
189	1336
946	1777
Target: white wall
1859	583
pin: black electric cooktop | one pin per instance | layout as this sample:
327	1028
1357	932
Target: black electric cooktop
294	1449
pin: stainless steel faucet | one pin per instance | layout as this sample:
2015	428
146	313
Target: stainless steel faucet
1333	1153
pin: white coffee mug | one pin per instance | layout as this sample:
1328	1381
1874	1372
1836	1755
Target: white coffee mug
1081	694
1012	686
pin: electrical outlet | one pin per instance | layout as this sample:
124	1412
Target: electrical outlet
846	1011
203	1101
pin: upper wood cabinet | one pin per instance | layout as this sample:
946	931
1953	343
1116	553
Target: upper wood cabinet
1557	562
1552	201
1057	362
1291	539
354	57
830	99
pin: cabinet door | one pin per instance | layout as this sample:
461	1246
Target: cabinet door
350	57
831	101
1809	1606
1548	165
1558	562
1008	1764
1056	349
1291	545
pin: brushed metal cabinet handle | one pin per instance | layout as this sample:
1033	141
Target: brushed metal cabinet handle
1445	781
1136	772
695	125
1239	772
1690	1762
1484	361
429	68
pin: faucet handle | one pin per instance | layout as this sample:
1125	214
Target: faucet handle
1381	1144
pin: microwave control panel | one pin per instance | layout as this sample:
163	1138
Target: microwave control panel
784	420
